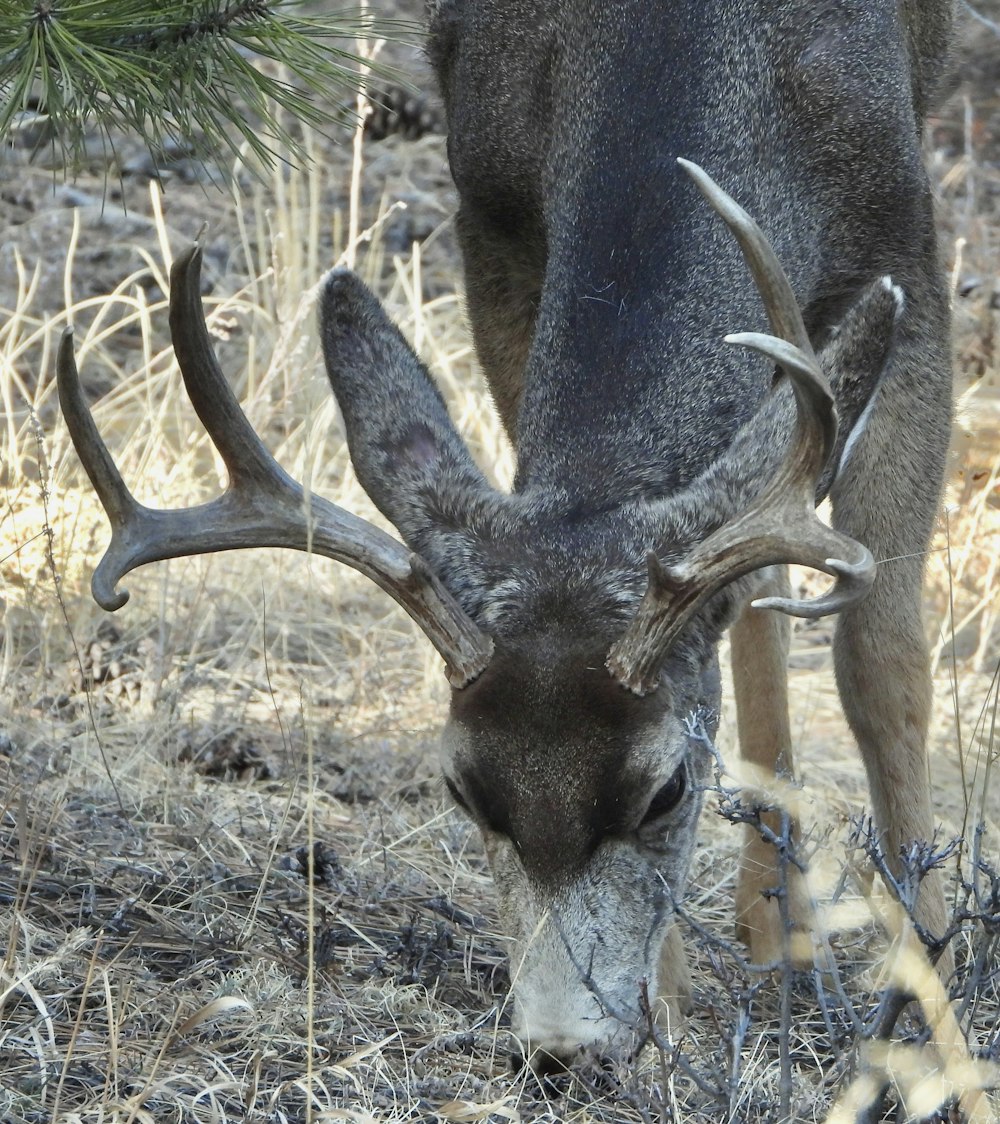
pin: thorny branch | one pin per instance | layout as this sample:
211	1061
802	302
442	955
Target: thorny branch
849	1019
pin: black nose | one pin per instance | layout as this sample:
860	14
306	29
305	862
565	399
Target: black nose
543	1064
547	1065
550	1069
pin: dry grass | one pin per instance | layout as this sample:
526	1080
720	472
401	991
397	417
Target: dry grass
230	887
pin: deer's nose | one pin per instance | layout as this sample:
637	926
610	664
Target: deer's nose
548	1061
552	1061
547	1064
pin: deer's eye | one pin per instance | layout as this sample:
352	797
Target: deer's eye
667	797
457	796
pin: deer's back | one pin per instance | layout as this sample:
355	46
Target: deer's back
565	123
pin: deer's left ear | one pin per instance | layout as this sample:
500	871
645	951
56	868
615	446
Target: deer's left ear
855	360
408	456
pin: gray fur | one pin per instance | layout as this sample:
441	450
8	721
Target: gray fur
600	288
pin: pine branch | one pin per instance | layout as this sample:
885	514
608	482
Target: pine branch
183	74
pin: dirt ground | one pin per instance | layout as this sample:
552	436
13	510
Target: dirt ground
231	887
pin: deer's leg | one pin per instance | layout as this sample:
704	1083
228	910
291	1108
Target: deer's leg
759	643
503	282
886	496
675	990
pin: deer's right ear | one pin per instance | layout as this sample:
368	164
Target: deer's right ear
406	452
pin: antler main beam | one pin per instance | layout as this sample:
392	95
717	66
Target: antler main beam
780	526
262	505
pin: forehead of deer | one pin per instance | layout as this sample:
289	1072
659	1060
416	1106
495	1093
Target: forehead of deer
562	688
554	754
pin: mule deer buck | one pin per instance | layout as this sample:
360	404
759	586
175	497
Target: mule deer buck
665	476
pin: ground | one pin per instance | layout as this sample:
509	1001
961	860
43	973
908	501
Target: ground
231	886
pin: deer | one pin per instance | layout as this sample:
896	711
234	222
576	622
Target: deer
636	182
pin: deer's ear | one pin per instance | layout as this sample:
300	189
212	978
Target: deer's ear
856	358
406	452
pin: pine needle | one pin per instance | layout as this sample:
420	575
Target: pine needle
184	76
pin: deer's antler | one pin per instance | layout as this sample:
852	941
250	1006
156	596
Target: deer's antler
262	505
780	525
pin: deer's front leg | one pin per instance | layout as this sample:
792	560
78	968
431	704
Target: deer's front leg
887	495
503	282
759	645
676	994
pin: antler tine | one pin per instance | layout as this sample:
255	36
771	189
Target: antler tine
243	453
780	525
262	505
117	501
779	301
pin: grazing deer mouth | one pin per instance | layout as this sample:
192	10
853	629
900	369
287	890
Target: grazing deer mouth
550	1062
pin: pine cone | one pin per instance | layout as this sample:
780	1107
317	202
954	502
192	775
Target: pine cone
399	111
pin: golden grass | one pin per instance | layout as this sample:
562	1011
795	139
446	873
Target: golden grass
230	888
